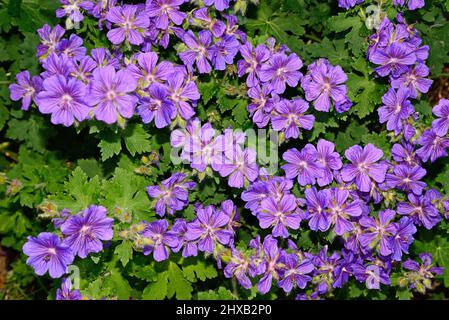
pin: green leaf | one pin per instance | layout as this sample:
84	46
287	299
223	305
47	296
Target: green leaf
364	93
403	294
207	90
157	290
126	191
79	192
178	285
200	270
125	252
119	285
90	167
110	145
351	136
137	140
221	294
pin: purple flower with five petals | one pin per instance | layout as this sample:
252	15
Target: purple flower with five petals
208	229
279	214
363	168
281	70
85	232
158	241
130	23
64	99
441	110
109	94
290	116
46	252
25	89
164	11
303	165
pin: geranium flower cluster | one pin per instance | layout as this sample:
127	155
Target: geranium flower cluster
372	245
81	234
335	195
411	4
206	151
269	69
397	49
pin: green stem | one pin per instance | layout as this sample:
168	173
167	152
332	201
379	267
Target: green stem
312	37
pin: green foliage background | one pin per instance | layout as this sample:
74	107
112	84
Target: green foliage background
47	168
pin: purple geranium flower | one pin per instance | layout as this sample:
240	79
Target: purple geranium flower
72	47
46	252
150	71
83	69
25	89
420	209
216	26
396	109
184	94
224	52
238	268
290	116
50	39
323	83
208	228
66	292
130	24
373	275
405	152
378	231
72	9
317	202
57	64
199	51
164	11
330	160
433	146
259	190
426	269
414	80
220	5
281	69
407	178
262	103
411	4
347	4
64	99
420	276
109	93
172	195
252	62
303	164
402	238
200	146
441	110
240	165
158	240
103	58
179	230
279	214
157	106
341	210
270	265
394	59
295	273
363	167
84	232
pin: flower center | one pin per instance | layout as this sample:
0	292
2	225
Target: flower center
111	95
